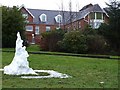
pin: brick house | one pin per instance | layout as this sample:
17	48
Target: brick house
39	21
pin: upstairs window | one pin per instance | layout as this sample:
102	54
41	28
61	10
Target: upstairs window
29	28
96	15
25	15
99	15
92	15
58	18
43	17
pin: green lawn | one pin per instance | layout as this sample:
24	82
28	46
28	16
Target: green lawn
29	48
85	72
37	49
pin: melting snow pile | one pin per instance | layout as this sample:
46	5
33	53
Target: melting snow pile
19	65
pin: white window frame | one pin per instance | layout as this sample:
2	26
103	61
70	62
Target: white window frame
48	28
96	23
37	30
58	18
29	28
43	19
96	16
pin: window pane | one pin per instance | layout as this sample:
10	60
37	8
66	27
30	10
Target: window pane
98	15
58	18
47	28
37	31
92	15
29	28
43	18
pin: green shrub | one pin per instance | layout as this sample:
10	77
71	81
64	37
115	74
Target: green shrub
79	41
12	22
74	41
50	39
96	44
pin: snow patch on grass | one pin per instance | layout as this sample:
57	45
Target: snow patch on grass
52	74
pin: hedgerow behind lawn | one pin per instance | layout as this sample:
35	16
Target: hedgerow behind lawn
85	72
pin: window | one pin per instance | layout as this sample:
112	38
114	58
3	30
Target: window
29	28
92	15
25	16
43	18
57	27
58	18
98	15
95	23
47	28
79	25
37	30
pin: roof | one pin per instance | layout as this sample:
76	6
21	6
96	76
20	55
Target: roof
26	10
97	8
85	11
87	6
51	14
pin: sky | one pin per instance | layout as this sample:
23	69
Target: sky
52	4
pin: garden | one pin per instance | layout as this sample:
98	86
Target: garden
90	56
86	72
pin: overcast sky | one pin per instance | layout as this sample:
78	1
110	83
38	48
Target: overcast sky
52	4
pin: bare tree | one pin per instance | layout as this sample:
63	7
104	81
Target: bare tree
70	14
63	14
76	16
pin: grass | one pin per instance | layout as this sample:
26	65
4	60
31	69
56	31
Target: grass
37	49
85	72
33	48
29	48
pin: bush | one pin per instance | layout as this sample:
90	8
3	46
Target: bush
50	39
74	41
82	41
96	44
89	31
